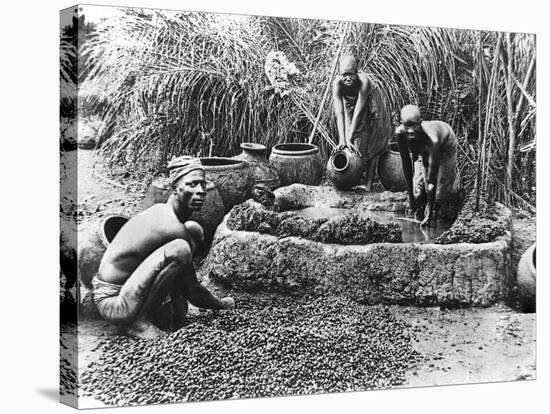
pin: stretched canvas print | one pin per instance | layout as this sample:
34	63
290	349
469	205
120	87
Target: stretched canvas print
261	206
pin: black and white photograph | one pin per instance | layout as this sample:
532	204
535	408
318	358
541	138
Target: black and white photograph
256	206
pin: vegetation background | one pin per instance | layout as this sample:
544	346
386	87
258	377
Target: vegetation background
168	83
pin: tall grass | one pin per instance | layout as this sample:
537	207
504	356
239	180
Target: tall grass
67	78
173	83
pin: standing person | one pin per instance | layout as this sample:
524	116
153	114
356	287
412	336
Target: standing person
435	171
151	258
360	115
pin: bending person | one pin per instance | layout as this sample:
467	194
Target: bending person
151	258
359	113
435	171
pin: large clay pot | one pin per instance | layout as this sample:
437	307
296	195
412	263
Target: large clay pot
527	279
344	168
93	240
210	215
297	163
232	178
158	192
262	172
390	171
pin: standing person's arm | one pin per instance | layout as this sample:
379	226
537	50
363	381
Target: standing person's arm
338	107
358	111
406	164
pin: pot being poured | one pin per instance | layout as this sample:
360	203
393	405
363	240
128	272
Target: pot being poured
344	168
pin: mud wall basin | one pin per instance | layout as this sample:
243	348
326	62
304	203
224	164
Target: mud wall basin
426	274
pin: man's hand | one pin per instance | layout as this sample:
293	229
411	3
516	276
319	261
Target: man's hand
229	302
431	192
413	205
340	147
427	215
352	148
429	206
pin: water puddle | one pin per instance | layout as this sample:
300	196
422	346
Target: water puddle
410	227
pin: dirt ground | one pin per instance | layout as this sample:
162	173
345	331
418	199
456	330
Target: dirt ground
458	345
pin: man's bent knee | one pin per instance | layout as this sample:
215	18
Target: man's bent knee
195	230
195	235
179	251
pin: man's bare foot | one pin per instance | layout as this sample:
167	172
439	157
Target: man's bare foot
145	330
229	302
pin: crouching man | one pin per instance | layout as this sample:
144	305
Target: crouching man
150	259
434	180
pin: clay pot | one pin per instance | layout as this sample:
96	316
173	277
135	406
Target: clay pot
262	172
297	163
344	168
527	279
252	152
158	192
93	240
232	178
390	171
210	215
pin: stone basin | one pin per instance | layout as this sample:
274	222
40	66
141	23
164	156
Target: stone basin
425	274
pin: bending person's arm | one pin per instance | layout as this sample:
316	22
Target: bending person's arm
406	164
431	179
338	107
360	107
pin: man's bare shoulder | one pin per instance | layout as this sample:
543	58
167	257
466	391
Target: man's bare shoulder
156	209
439	128
441	132
154	216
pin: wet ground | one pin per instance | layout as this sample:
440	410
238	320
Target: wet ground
411	231
458	346
471	345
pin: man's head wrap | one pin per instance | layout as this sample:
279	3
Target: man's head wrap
180	166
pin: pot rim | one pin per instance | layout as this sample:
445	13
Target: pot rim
253	146
531	258
334	156
101	225
300	148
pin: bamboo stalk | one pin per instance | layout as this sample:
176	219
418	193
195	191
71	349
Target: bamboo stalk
511	117
525	83
329	82
490	100
479	132
309	116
